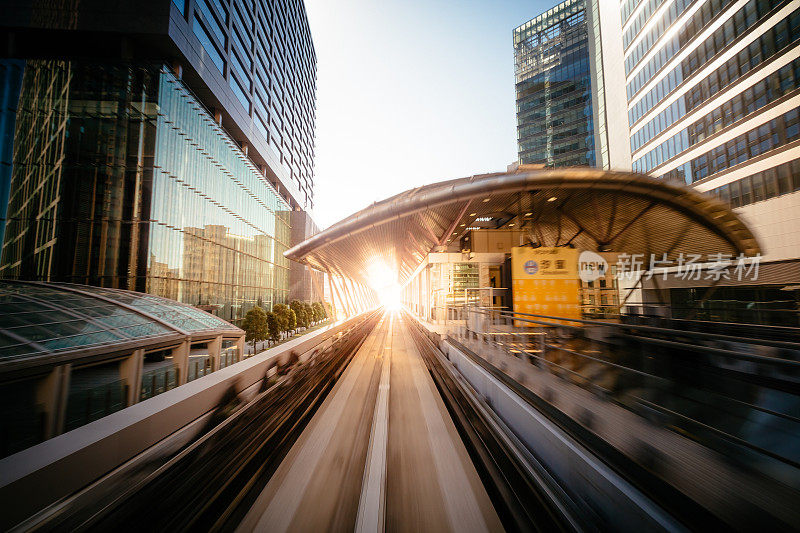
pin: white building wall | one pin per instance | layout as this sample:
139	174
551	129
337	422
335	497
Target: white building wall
776	225
607	70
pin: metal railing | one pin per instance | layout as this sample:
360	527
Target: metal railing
727	392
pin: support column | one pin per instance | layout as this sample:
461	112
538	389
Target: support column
180	359
341	299
214	348
130	369
240	346
357	291
349	297
51	397
333	298
314	287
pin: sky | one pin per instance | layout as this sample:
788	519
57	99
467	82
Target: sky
410	92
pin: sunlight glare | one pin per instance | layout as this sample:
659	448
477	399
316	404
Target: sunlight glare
384	281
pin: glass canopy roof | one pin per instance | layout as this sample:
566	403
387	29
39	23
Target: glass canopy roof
41	318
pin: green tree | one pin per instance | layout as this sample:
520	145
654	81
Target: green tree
255	326
292	320
282	313
319	312
273	326
300	312
309	311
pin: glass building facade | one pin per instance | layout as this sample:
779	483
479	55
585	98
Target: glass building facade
555	124
122	179
10	81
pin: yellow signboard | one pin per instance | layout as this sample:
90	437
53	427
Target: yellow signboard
546	281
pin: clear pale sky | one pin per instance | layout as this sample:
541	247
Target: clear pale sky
411	92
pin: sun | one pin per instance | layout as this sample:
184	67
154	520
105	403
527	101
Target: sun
383	281
390	297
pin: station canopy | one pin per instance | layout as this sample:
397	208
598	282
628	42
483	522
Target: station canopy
49	323
586	208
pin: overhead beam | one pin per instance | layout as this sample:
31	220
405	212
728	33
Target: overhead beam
454	225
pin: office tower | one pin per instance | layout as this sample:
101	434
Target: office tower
713	102
565	60
160	146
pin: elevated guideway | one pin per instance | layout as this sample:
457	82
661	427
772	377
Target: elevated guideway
381	452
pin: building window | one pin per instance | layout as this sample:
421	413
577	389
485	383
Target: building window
208	44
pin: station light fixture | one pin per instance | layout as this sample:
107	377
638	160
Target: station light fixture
552	199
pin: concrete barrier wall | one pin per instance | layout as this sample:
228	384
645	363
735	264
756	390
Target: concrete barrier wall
581	473
54	469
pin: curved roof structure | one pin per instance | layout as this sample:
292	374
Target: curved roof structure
586	208
51	322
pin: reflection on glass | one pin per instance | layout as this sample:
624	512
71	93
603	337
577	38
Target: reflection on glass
130	184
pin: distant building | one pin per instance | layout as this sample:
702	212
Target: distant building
565	59
153	133
713	91
305	283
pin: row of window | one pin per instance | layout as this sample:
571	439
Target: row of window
549	21
639	22
552	111
243	45
574	155
747	17
570	67
568	147
664	22
532	57
296	137
557	141
548	94
216	15
208	44
555	32
775	133
627	8
689	30
555	133
777	181
757	53
748	101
